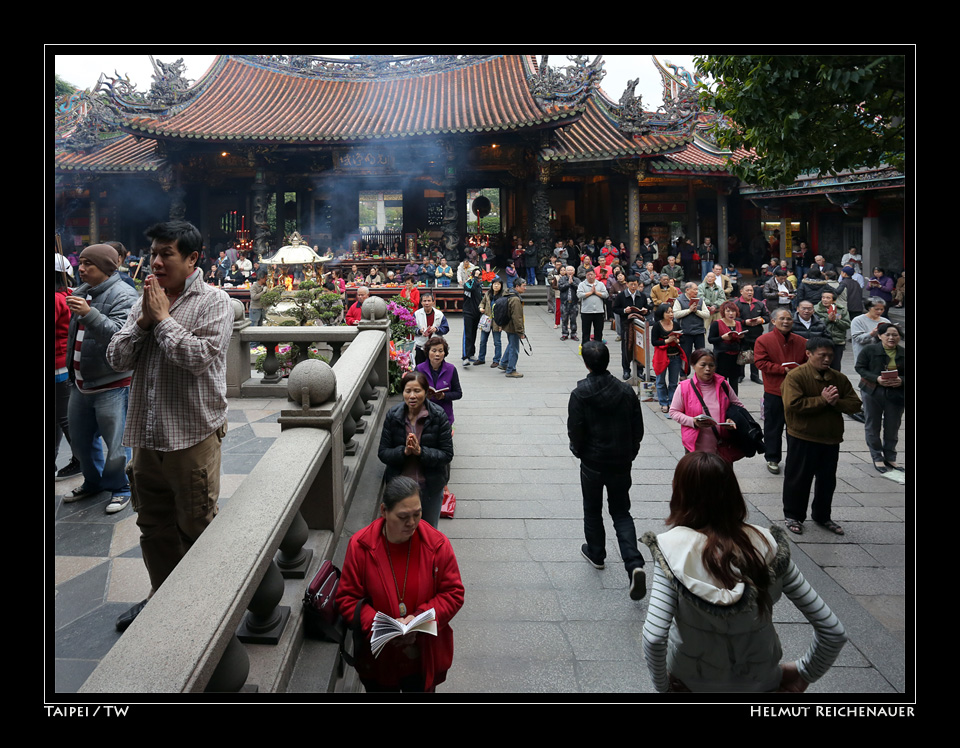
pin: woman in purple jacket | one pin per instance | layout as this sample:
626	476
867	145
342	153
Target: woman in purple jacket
442	376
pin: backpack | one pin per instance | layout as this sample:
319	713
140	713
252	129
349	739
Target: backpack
501	311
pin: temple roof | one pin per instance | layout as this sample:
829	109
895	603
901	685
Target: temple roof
121	155
696	156
308	100
248	99
596	136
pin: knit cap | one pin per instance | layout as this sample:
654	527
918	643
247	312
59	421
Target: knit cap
103	256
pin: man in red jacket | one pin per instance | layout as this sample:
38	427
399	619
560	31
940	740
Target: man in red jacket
776	353
355	312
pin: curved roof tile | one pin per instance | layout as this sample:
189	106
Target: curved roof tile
250	102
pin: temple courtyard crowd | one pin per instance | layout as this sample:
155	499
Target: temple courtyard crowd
140	396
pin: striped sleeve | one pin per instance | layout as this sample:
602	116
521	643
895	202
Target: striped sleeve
660	612
828	634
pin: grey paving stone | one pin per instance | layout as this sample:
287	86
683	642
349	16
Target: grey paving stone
558	509
531	640
462	475
84	538
77	597
858	580
491	549
510	604
600	640
831	554
615	677
554	528
891	556
852	680
891	610
594	605
509	675
70	674
91	636
472	528
505	574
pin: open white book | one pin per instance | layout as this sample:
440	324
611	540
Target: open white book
702	418
386	628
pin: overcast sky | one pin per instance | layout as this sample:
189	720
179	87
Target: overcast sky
84	70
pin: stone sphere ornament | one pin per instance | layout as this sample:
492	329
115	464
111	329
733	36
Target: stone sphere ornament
374	308
317	377
238	311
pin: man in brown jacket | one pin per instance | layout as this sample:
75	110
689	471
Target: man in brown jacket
815	397
514	329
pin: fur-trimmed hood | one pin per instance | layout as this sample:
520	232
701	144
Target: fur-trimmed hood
679	554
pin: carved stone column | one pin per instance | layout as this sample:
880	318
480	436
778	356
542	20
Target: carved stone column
540	231
178	205
723	228
261	229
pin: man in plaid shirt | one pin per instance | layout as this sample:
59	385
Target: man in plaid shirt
175	341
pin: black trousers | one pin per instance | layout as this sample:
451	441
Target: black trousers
809	462
773	423
594	321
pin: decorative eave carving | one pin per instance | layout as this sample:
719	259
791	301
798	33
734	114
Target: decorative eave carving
566	86
360	67
681	110
85	121
631	115
170	88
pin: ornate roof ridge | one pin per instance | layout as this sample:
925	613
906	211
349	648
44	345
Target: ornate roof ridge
362	67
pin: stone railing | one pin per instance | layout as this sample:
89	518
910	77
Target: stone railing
243	579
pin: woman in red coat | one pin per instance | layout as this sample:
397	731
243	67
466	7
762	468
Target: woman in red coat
402	567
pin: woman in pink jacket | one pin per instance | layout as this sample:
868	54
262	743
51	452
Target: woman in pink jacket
698	433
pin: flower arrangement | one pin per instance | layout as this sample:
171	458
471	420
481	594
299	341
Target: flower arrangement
488	276
400	363
402	323
402	328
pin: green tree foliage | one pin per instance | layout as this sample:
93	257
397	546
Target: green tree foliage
60	88
807	113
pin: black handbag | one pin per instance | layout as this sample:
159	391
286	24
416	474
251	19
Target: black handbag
748	436
746	440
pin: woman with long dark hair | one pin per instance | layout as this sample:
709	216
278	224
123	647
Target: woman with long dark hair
716	579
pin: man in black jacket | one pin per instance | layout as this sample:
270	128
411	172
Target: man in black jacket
605	426
630	304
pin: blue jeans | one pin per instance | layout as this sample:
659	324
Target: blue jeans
482	355
665	392
100	414
618	500
532	275
513	351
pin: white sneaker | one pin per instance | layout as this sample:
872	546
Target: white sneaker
118	503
